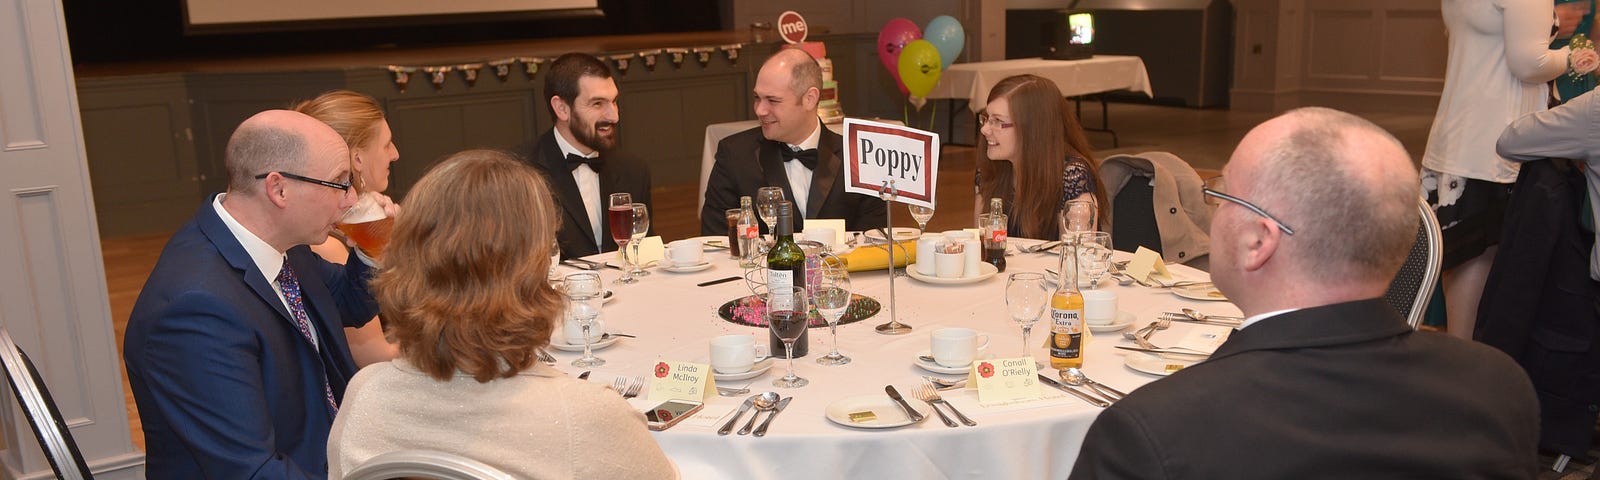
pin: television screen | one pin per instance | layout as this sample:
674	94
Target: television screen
1082	27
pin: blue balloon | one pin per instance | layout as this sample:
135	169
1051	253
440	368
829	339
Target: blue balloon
947	36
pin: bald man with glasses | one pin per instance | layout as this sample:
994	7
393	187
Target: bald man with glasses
1323	379
234	350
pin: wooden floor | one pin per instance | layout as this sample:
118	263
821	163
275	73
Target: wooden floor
1205	138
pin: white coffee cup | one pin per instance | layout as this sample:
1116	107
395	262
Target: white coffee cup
686	252
957	235
733	353
572	331
957	347
822	235
948	265
1099	307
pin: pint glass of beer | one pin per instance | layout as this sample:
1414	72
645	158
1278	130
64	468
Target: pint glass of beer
367	225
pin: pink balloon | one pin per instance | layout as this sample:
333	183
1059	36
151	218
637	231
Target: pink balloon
891	40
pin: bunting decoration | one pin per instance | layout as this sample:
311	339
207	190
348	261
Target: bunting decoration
439	75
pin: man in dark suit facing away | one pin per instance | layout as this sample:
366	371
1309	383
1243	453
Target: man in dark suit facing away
579	155
1323	379
790	149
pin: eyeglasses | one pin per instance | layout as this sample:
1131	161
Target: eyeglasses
343	187
1210	194
984	119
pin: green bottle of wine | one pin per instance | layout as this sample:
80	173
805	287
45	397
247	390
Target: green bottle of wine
786	268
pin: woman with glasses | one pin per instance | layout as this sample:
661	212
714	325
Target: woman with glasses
1034	156
464	291
360	121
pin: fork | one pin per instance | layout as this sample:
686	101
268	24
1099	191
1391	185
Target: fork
1142	335
921	391
634	387
620	384
929	394
546	357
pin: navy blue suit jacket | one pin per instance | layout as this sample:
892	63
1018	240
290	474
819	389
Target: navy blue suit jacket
226	385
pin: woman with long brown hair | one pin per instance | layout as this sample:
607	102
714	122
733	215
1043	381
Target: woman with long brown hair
465	294
1032	154
360	121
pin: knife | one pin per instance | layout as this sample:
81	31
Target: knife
1093	401
910	412
718	281
762	430
728	427
1163	351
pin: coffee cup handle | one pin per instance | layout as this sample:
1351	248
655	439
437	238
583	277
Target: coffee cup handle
761	352
984	344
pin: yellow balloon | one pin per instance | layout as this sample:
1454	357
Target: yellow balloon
920	67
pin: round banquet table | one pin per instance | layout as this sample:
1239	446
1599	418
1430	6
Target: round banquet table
674	320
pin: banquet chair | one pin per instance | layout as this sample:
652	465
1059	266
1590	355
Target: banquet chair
424	464
1412	287
48	426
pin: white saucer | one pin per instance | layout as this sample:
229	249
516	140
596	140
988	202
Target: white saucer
607	297
1123	320
1200	292
684	268
760	368
987	270
1158	364
901	234
560	343
886	412
941	369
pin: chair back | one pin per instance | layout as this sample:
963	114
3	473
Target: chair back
1412	287
48	426
425	464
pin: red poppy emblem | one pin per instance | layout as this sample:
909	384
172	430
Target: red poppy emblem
662	370
986	369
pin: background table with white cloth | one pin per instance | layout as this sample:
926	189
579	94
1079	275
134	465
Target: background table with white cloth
1075	78
675	320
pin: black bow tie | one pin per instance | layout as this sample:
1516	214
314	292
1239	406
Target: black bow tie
807	157
573	160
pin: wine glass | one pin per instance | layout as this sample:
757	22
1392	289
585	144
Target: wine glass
583	292
1026	297
767	200
831	295
639	227
921	214
1094	255
787	317
1078	216
619	219
555	259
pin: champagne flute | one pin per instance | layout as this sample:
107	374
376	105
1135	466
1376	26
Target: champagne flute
619	219
767	199
583	290
832	298
921	214
1094	255
1026	297
787	317
639	227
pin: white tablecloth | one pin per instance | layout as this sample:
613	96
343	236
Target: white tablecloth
674	320
1101	73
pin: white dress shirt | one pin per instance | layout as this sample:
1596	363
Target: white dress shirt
799	175
588	185
269	260
1256	318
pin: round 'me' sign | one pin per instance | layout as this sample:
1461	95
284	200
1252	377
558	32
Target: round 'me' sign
792	27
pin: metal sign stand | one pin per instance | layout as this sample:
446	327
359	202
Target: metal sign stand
888	194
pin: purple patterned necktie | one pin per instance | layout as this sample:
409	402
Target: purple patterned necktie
297	309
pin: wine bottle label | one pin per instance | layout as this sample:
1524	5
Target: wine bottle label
777	281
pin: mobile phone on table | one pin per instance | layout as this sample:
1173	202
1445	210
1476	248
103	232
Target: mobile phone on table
669	413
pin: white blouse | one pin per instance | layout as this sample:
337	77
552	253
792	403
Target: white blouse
1498	67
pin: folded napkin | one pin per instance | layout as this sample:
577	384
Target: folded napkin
876	257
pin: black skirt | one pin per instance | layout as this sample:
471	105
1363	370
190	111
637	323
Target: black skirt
1472	215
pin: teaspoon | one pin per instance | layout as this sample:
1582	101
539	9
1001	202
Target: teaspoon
763	402
1073	376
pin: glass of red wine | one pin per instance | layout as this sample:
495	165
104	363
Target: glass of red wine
619	220
787	317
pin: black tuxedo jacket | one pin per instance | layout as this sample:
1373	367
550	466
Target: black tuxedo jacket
622	173
1338	391
746	161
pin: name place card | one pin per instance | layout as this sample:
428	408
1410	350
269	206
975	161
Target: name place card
1147	265
681	381
1005	379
